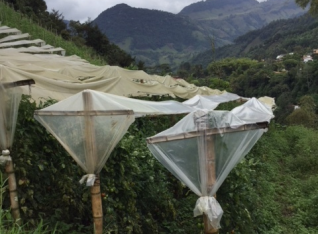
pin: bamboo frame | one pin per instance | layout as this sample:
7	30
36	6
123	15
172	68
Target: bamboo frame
213	131
85	113
18	83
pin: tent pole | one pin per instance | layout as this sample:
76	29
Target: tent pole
97	206
211	174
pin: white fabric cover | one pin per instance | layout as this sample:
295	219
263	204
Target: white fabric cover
186	157
59	77
9	30
22	42
14	37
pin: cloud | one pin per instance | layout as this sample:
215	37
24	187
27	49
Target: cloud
83	9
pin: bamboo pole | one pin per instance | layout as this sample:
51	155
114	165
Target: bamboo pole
90	148
211	178
12	189
97	208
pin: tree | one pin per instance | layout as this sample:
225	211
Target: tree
305	115
313	5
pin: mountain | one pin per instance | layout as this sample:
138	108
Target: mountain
229	19
152	36
158	37
279	37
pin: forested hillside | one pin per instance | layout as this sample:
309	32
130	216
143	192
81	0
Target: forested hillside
153	36
279	37
158	37
228	19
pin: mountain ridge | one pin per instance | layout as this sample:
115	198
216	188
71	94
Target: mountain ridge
159	37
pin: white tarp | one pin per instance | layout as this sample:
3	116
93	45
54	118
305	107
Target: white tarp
58	77
22	42
9	31
210	102
14	37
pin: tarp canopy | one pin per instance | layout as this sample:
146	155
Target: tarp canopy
58	77
22	42
9	30
203	147
14	37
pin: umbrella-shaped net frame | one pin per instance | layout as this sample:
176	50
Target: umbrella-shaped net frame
10	96
89	134
202	158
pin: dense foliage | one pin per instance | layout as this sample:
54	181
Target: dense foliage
271	191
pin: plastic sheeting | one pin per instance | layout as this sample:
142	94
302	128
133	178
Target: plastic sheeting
89	130
210	102
10	97
203	147
86	129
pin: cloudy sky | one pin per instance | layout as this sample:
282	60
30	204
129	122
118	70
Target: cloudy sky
83	9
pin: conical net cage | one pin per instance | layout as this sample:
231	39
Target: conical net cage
86	128
202	149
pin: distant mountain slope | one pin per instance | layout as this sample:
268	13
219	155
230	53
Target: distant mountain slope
158	37
229	19
141	32
279	37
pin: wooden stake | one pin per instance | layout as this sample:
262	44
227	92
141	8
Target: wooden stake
97	208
